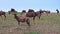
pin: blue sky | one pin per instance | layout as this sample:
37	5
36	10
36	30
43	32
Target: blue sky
20	5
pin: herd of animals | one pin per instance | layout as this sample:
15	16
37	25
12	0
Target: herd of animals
30	13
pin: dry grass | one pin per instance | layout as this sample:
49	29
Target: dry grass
46	25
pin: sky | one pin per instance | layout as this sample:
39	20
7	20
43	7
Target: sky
36	5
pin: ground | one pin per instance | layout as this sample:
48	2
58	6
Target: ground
46	25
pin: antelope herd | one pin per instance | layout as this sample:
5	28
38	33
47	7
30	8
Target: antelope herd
30	13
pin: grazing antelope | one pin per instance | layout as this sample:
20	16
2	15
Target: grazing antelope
57	11
33	14
23	11
42	11
2	13
22	19
12	11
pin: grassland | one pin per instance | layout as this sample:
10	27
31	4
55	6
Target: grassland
46	25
